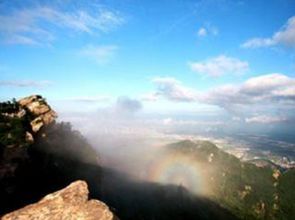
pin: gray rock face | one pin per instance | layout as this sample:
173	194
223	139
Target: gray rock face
70	203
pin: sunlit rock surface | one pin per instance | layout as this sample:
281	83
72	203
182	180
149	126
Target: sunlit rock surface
69	203
41	111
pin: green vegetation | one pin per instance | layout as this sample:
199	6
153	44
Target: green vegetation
250	192
9	106
287	194
63	141
12	128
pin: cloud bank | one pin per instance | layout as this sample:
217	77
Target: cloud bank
263	95
274	89
285	36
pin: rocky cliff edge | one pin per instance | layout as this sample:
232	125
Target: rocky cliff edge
70	203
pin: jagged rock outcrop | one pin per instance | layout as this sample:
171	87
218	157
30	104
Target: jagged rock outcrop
70	203
20	122
37	154
32	112
41	111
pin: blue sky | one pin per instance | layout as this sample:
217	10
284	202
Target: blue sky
184	56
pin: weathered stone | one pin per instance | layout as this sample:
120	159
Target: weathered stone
37	106
24	101
29	137
36	124
49	117
70	203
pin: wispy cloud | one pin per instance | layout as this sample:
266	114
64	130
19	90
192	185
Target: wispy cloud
202	32
285	36
219	66
101	54
18	39
265	119
30	26
24	83
207	29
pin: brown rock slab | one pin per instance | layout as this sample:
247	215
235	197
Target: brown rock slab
70	203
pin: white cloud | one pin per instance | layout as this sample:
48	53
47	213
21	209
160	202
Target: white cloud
27	26
207	30
258	42
219	66
172	89
265	84
275	89
24	83
257	94
285	36
265	119
202	32
101	54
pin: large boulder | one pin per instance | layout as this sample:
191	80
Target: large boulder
70	203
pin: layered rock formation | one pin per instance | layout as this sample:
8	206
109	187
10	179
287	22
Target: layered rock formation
70	203
20	122
41	111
